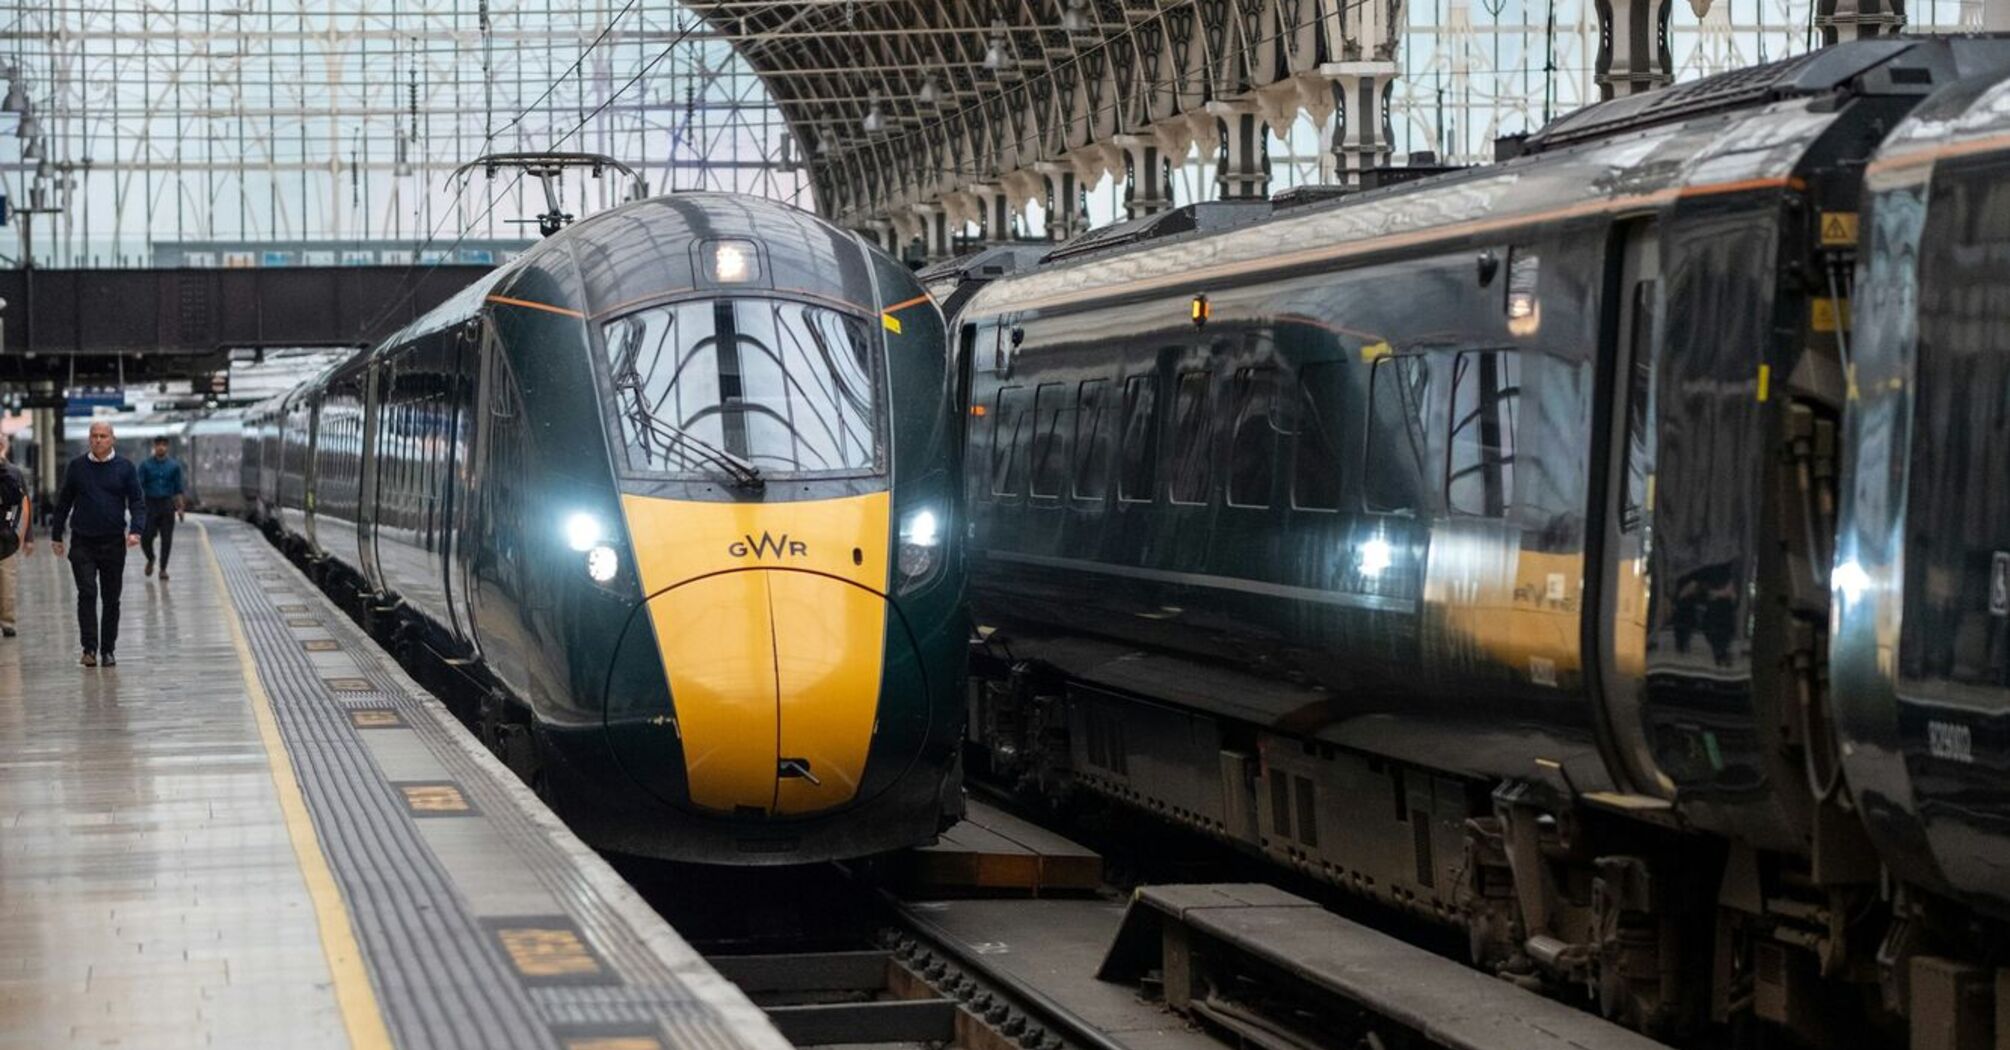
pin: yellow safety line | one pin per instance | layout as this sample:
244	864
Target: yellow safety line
353	994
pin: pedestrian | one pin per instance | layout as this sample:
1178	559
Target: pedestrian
100	502
165	486
16	541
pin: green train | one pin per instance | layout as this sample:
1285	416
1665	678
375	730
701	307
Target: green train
675	493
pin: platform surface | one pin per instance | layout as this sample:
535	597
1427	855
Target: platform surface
257	832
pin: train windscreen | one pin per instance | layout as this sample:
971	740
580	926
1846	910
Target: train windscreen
779	387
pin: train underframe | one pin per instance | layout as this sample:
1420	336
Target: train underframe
1680	934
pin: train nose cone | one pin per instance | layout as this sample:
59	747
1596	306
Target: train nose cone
775	678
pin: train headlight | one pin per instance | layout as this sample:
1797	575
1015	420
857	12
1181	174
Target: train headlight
1850	581
583	532
734	262
1376	556
602	563
920	548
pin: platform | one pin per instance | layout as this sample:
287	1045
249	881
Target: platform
256	831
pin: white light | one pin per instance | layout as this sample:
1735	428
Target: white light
1375	556
732	262
601	563
875	120
921	529
1850	581
582	531
927	96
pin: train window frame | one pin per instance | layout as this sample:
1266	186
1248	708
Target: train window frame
1469	368
1244	388
874	382
1139	457
1091	457
1190	453
1416	426
1050	431
1006	413
1310	418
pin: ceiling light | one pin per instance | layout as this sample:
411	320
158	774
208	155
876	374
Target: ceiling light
1073	18
33	150
875	121
29	128
17	96
928	96
995	56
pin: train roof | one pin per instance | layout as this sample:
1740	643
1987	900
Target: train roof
1969	117
1742	130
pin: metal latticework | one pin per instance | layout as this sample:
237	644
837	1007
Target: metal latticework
283	120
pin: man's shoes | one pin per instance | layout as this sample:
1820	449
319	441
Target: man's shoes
108	660
150	566
8	632
90	659
164	576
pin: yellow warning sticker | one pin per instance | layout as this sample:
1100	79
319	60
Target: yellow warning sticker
1765	381
1838	229
1829	315
1375	351
891	322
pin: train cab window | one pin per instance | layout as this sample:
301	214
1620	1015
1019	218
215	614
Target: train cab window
1392	476
1053	424
1252	452
1092	440
1138	481
1008	445
791	388
1315	456
1479	453
1193	439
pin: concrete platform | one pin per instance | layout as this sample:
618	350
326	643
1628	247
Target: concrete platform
256	831
990	851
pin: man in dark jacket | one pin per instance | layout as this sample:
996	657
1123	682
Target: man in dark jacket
100	501
165	486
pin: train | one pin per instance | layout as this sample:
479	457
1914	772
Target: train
673	498
1544	549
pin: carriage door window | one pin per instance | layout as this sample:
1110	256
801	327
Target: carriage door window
1315	457
1139	480
1008	448
1193	439
1479	455
1252	454
1092	440
1393	466
1053	423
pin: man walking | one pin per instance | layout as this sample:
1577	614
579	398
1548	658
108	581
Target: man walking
14	536
165	487
100	499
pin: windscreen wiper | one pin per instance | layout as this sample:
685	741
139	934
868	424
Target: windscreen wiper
743	474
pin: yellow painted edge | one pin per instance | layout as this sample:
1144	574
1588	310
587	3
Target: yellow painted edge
891	322
1765	381
361	1015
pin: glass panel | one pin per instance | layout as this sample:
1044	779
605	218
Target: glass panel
1193	434
1393	471
1053	407
1479	464
788	387
1252	459
1092	441
1315	481
1141	439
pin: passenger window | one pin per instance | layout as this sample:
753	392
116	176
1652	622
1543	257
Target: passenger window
1193	434
1252	456
1638	499
1008	452
1053	409
1139	481
1393	464
1479	452
1092	440
1315	461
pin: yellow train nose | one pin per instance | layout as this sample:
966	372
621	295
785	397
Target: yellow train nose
775	675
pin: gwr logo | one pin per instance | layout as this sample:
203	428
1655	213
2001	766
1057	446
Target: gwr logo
766	545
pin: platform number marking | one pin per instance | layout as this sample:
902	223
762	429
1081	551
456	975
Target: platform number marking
614	1042
548	952
1999	584
435	800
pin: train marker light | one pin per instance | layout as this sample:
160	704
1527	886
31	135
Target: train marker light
920	536
582	532
1200	310
1850	581
601	562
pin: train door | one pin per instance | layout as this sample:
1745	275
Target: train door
1626	547
475	382
366	483
458	357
